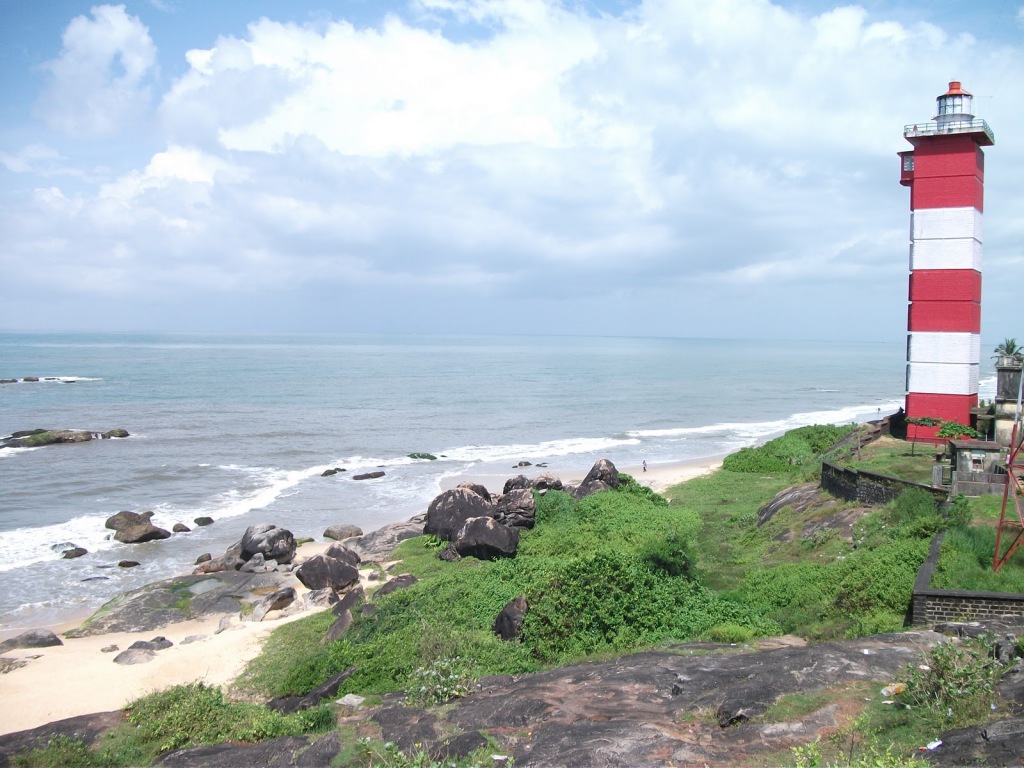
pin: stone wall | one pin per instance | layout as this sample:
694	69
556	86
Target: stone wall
931	606
869	487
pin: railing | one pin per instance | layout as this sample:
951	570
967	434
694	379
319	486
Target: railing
954	126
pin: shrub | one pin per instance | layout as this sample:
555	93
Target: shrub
958	681
445	679
795	448
729	633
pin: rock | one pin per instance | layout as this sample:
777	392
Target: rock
275	601
340	532
523	464
486	539
449	554
351	700
127	564
476	488
308	751
449	511
328	689
180	528
189	639
518	482
138	534
97	578
378	545
272	542
798	498
393	585
339	627
516	509
124	518
204	558
258	564
70	554
218	564
425	456
341	552
348	601
118	433
320	572
204	520
546	482
509	622
9	664
134	656
32	638
158	643
109	649
330	472
603	476
321	598
369	475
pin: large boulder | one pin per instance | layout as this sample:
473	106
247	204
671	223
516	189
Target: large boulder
476	488
516	509
270	541
321	572
340	532
449	511
125	518
137	534
509	622
378	545
547	481
603	476
486	539
518	482
275	601
32	638
340	552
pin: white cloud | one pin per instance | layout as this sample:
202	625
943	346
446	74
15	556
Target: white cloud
735	157
31	158
99	82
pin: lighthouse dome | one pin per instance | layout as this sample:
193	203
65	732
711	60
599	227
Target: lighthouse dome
955	105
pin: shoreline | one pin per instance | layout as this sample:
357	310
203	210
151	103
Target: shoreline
90	682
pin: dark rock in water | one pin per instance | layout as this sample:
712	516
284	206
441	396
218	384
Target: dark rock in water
523	464
340	552
70	554
134	656
270	541
321	572
33	638
378	545
180	528
449	511
127	564
31	379
393	585
486	539
201	521
124	518
602	477
340	532
426	456
369	475
509	622
158	643
204	558
476	488
275	601
516	509
286	705
138	534
97	578
118	433
333	471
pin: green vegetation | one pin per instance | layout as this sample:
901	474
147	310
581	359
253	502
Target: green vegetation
965	562
796	447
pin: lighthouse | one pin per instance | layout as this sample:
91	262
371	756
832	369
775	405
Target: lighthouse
946	173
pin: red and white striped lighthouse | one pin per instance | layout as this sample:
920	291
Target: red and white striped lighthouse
945	172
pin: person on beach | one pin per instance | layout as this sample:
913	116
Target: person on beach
645	465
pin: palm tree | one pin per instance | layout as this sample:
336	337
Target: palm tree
1009	348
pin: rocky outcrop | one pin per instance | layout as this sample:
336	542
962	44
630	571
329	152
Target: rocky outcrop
273	543
125	518
35	438
603	476
342	532
486	539
449	511
275	601
369	475
378	545
516	509
143	532
324	572
32	638
509	622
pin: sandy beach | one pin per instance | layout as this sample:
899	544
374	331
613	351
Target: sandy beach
79	677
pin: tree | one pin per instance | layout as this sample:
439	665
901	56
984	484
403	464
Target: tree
920	421
1009	348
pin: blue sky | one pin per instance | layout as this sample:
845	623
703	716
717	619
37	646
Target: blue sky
664	168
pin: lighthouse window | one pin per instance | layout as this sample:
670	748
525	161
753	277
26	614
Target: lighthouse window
908	162
951	105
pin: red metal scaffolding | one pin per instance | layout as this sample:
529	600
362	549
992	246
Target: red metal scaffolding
1014	490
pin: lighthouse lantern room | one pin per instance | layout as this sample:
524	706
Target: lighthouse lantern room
945	172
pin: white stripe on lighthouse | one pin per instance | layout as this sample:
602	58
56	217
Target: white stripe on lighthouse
959	253
942	347
945	223
942	378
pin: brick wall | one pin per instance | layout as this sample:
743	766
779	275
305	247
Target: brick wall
931	606
869	487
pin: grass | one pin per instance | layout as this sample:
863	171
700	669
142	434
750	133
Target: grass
965	562
889	456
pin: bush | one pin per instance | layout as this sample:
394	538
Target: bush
793	449
445	679
957	682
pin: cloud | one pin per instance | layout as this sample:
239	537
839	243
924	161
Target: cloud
697	167
100	81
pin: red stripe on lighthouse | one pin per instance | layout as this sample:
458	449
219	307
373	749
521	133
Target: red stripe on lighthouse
955	316
945	285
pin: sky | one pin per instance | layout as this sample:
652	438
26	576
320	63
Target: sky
675	168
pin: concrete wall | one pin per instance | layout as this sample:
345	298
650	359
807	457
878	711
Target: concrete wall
869	487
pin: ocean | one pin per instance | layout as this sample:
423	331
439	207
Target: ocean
241	428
